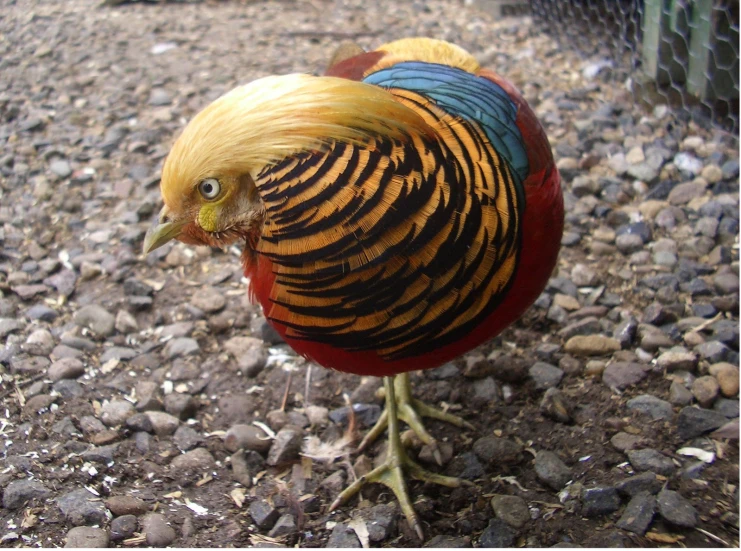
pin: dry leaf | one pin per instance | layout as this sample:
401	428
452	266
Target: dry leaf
663	538
174	495
205	480
361	530
237	495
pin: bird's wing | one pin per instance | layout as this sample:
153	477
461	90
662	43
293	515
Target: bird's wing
397	245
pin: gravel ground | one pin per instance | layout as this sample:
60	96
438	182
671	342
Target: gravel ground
145	402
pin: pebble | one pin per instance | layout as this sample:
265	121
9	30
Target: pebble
181	346
285	526
705	390
8	326
648	459
66	368
126	505
676	510
497	534
163	423
679	395
39	343
555	405
442	541
652	406
157	531
208	299
61	168
199	459
380	521
240	469
81	507
621	375
87	537
728	408
727	376
545	375
19	492
623	441
497	451
247	437
185	438
643	482
286	446
96	318
598	502
511	509
693	422
551	470
182	406
677	359
115	412
39	312
591	345
343	537
638	514
123	527
122	353
236	408
263	514
684	193
125	323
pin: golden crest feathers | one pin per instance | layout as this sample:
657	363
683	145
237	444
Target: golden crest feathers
257	124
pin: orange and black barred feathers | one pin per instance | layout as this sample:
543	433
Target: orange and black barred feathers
397	247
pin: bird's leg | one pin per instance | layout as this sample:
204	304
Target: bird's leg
411	411
391	472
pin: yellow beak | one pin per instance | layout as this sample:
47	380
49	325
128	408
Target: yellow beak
162	232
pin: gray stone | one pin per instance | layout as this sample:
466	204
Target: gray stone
180	346
448	542
285	526
726	407
61	168
247	437
497	451
8	326
545	375
80	507
19	492
163	423
497	534
182	406
712	351
621	375
648	459
643	482
555	405
118	353
551	470
726	283
123	527
66	368
597	502
380	521
638	514
157	531
208	299
343	537
115	412
679	395
286	446
96	318
676	509
651	406
126	505
39	312
511	509
185	438
87	537
199	459
100	454
591	345
263	514
623	441
693	422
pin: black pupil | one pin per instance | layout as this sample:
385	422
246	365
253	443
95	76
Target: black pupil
208	188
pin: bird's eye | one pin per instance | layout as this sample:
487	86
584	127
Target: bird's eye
209	188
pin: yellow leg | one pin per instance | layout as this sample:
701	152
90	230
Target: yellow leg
391	472
411	411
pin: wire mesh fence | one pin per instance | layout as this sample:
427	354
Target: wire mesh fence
681	53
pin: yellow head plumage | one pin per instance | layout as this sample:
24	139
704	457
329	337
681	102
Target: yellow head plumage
232	140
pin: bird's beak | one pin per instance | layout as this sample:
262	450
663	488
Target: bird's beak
162	232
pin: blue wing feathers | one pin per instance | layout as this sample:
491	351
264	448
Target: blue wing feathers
465	95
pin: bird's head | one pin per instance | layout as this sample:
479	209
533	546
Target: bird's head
210	179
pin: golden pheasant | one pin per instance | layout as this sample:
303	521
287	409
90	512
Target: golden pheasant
395	213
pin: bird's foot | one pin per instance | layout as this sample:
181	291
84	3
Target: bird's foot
391	473
411	410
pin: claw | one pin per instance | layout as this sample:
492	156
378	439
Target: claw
397	463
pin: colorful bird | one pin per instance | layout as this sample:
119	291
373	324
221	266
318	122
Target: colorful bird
395	213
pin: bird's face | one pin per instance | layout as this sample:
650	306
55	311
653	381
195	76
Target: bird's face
215	211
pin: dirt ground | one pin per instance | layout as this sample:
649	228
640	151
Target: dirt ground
126	376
